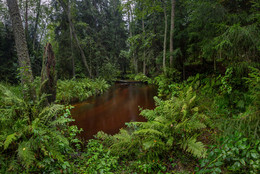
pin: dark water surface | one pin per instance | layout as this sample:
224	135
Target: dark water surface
110	111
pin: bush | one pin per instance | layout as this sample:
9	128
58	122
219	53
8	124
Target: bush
98	159
235	154
34	138
76	90
110	72
173	125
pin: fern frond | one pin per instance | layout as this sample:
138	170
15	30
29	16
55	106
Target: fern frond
195	125
13	166
148	132
148	144
26	154
123	135
9	139
124	144
49	112
194	147
10	98
61	121
192	100
148	114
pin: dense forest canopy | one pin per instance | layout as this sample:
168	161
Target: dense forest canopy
203	55
134	36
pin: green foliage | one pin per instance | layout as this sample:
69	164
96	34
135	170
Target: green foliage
75	90
174	124
232	42
239	108
142	77
167	83
226	82
99	159
34	137
109	72
236	153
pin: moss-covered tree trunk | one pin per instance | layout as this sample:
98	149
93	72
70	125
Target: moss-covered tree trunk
48	75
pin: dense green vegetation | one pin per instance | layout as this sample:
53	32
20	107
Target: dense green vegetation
203	55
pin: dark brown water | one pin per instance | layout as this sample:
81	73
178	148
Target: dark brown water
110	111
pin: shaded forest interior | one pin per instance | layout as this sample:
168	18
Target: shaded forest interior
202	55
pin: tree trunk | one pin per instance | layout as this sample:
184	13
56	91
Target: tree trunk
36	22
144	54
71	47
65	8
172	32
21	48
130	19
183	71
26	19
48	76
165	36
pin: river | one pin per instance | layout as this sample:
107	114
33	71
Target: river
110	111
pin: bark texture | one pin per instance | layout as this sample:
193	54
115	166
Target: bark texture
48	75
172	32
26	18
21	45
144	53
165	36
36	22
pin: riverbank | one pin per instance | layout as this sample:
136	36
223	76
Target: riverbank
200	126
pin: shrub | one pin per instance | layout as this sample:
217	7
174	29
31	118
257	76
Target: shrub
76	90
173	125
33	137
235	154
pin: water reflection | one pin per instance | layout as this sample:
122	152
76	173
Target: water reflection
110	111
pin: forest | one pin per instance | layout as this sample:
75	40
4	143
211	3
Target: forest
202	56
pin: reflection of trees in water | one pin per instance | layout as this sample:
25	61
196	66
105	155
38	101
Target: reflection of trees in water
110	111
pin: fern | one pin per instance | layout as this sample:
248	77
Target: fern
194	147
33	134
167	125
144	132
25	154
9	139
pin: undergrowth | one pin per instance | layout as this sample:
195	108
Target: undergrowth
206	124
76	90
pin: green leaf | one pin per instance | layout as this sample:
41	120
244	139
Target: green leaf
254	155
9	139
218	163
242	161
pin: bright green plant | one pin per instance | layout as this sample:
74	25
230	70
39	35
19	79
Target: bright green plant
33	137
236	153
142	77
168	85
75	90
173	125
98	159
